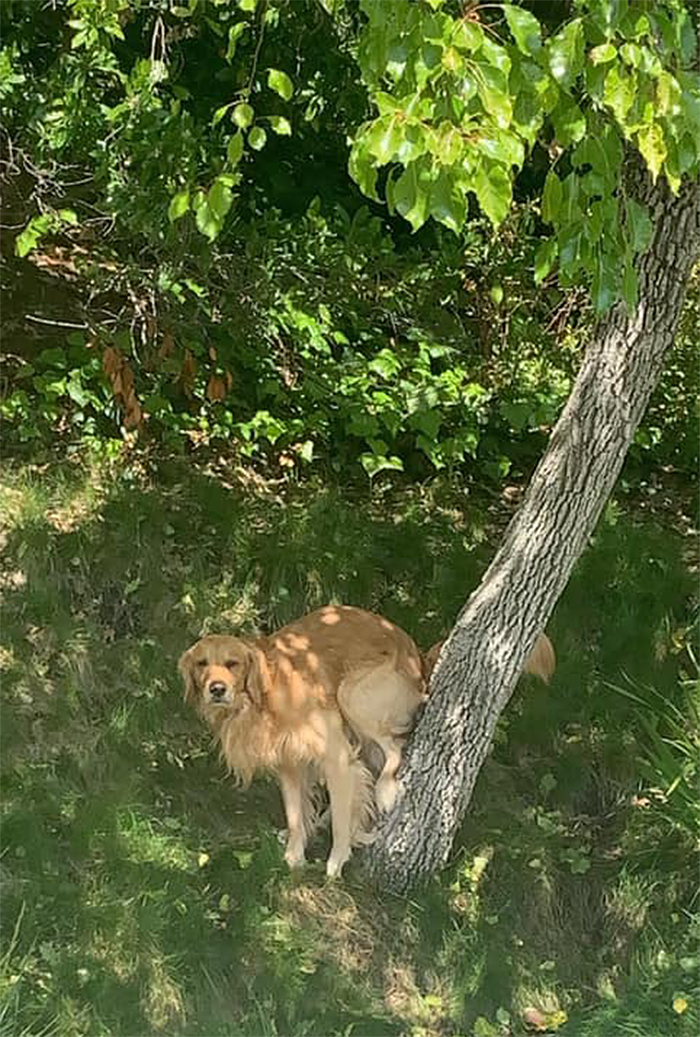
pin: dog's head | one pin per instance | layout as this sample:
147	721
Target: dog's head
224	674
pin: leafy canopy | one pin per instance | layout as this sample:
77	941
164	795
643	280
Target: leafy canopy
462	98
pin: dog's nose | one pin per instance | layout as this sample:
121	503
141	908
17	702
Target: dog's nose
217	689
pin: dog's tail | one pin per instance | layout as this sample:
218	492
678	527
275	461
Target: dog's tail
541	662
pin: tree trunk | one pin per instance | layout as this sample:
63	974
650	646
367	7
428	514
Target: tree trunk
480	663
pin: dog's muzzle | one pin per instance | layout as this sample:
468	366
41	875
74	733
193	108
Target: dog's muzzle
217	691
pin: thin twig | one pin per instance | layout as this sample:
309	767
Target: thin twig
55	323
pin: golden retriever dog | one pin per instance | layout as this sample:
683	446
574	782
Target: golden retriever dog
303	702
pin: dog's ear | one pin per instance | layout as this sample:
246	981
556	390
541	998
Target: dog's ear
258	683
185	667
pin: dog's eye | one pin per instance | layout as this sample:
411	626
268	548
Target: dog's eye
202	662
231	664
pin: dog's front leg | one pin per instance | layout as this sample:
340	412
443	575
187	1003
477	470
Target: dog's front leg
292	785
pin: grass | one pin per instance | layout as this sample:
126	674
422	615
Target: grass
142	893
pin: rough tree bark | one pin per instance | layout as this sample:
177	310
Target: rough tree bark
480	662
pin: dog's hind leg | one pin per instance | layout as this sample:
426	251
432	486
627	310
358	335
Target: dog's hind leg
380	706
386	788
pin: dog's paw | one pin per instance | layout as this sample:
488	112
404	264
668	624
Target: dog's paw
294	856
334	865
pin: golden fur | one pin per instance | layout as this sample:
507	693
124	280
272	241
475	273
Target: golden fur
304	702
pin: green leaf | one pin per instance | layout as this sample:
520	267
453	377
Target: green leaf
32	234
602	54
446	144
468	36
219	199
493	189
417	140
219	114
544	259
281	126
257	138
492	87
243	115
619	91
452	60
179	205
68	216
280	83
207	221
566	53
502	146
447	201
25	243
605	283
363	171
524	28
483	1028
668	94
384	138
411	196
375	463
569	247
650	141
639	224
569	122
233	36
234	151
551	197
385	363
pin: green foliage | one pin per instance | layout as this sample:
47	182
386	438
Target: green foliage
39	226
62	388
459	107
220	247
354	352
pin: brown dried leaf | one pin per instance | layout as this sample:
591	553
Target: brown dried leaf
111	361
216	390
133	415
127	380
167	346
188	371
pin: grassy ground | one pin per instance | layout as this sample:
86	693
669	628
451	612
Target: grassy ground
143	894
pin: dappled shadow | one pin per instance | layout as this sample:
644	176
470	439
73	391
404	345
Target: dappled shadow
150	891
105	582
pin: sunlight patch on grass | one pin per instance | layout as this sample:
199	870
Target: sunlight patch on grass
143	843
162	1000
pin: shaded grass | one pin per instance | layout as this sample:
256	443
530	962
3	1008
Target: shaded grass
144	894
